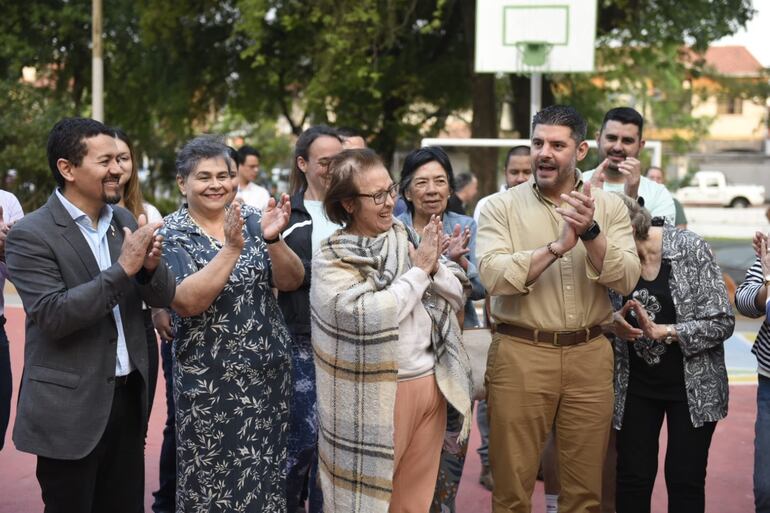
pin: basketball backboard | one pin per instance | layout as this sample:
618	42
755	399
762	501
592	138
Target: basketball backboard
535	36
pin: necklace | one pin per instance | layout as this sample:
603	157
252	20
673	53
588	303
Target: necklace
213	240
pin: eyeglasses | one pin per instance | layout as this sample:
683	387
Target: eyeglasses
379	197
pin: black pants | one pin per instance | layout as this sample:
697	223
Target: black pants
111	477
165	496
6	381
686	456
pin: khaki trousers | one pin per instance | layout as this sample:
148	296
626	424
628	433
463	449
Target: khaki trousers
532	387
418	434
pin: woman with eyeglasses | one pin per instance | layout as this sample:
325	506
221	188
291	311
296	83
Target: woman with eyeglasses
387	346
427	182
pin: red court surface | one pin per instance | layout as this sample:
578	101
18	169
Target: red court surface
728	488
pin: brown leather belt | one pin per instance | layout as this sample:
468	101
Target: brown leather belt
557	338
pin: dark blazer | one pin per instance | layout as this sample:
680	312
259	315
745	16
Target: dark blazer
70	350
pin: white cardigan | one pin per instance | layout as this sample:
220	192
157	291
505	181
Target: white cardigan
415	357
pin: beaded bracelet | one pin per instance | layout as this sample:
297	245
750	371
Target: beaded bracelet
553	251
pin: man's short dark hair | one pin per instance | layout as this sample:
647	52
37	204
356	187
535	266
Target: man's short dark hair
67	140
562	115
626	116
343	169
245	151
298	180
517	151
347	132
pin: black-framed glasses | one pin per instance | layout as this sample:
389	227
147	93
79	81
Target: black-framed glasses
379	197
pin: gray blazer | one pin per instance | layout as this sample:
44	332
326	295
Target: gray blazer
70	350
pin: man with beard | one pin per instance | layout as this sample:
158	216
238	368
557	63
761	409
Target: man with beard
83	267
548	251
619	142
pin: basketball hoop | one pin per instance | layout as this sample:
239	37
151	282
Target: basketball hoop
535	36
534	53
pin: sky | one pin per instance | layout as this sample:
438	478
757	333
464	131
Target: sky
755	36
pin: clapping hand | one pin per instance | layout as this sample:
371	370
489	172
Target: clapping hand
598	177
427	254
764	258
275	216
457	246
649	328
141	248
234	226
756	243
578	214
621	328
631	169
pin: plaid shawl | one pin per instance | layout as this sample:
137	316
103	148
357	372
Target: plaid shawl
354	335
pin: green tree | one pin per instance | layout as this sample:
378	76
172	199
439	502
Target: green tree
27	113
397	70
392	69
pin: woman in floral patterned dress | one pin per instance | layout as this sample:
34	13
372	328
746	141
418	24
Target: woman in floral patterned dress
232	367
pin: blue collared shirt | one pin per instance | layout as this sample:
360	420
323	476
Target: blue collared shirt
97	241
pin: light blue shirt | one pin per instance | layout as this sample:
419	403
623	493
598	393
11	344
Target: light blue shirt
657	199
97	241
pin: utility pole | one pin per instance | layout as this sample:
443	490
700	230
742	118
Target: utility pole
97	64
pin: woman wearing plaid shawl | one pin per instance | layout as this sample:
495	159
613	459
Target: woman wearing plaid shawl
387	345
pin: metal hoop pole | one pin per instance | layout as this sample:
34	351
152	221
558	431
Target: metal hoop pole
535	94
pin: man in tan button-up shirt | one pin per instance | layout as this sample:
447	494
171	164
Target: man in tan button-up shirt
549	250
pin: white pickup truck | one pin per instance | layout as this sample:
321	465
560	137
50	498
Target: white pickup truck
711	188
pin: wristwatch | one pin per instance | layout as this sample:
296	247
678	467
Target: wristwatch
669	334
273	241
591	233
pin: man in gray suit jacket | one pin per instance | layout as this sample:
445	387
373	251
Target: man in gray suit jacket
83	268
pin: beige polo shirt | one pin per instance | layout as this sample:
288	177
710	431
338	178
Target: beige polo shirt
570	294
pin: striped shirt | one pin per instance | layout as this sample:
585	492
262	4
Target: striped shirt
745	301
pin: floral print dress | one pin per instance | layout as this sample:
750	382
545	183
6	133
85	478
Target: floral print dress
232	379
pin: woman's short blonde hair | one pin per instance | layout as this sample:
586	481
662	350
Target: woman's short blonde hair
641	219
